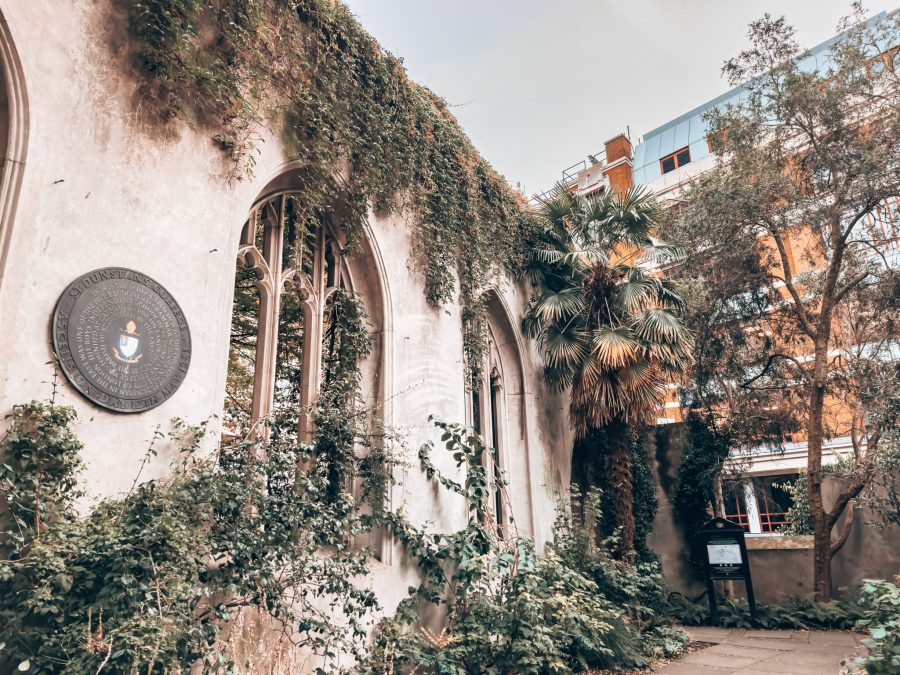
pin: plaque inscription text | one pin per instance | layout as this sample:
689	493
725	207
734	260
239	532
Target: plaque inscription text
121	339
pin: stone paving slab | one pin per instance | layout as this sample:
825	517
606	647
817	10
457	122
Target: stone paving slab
737	651
743	650
705	658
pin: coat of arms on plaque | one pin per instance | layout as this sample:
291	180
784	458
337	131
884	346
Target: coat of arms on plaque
126	349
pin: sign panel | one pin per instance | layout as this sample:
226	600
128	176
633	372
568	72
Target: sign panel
121	339
726	559
724	553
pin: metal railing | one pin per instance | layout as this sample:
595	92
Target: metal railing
570	174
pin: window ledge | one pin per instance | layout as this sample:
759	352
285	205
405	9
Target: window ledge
776	542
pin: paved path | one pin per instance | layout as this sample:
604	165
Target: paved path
759	652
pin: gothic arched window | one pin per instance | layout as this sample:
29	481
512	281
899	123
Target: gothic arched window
289	263
489	420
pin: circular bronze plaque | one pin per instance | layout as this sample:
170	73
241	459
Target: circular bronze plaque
121	339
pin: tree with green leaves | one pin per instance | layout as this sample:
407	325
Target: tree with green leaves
790	239
609	329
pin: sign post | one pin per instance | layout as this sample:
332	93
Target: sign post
726	560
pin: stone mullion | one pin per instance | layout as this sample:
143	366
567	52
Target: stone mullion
269	309
312	337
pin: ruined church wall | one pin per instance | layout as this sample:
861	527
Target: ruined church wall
102	186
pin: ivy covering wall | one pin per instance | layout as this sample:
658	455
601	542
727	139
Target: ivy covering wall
365	135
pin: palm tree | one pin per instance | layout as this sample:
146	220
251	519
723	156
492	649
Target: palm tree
609	329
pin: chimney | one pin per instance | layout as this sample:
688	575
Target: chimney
618	163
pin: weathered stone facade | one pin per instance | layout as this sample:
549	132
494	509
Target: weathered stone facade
88	183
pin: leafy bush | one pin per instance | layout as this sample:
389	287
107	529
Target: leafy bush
638	588
510	610
704	455
152	579
798	515
880	603
798	613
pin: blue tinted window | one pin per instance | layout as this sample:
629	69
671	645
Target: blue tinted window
699	149
667	142
699	129
651	154
638	159
652	172
682	134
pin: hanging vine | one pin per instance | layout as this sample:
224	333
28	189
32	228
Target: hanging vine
365	135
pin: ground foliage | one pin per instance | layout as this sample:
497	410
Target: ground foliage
880	603
510	609
364	134
799	613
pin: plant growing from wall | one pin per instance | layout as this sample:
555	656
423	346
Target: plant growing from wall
705	452
364	134
509	609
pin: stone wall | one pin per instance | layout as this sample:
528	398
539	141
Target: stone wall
781	566
102	186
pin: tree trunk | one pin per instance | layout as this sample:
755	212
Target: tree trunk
814	438
619	480
822	560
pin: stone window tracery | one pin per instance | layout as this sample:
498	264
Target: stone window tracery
489	419
289	264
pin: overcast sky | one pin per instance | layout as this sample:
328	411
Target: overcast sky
539	84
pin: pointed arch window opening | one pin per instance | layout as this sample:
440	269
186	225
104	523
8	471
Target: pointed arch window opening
488	412
289	264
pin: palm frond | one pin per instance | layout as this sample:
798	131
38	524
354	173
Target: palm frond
555	306
639	291
662	253
659	326
563	348
556	207
638	375
637	215
615	347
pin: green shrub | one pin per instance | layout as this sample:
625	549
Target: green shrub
798	515
149	581
798	613
880	603
510	610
